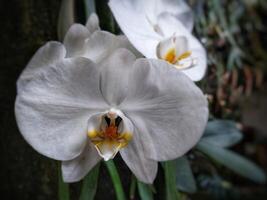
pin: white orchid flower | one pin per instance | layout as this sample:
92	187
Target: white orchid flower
162	29
79	111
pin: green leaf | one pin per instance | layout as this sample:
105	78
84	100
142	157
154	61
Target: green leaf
132	187
233	161
89	7
223	133
65	18
145	191
63	188
115	179
185	180
170	181
90	184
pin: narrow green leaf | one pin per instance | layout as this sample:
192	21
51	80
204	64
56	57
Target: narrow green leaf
223	133
115	179
89	7
65	18
170	181
63	188
233	161
185	180
145	191
90	184
132	188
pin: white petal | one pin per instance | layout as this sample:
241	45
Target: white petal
125	43
114	76
76	169
96	46
179	43
92	23
179	9
153	8
101	44
108	149
197	72
126	125
135	25
169	111
47	55
75	39
139	20
133	155
52	109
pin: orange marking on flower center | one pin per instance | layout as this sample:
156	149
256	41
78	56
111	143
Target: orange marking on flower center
184	55
111	132
170	56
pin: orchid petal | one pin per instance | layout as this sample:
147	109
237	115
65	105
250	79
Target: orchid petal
180	10
179	44
92	23
168	110
177	8
133	155
133	22
101	44
52	110
151	9
47	55
139	21
74	40
96	46
114	76
74	170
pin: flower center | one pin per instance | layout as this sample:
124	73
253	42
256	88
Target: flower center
111	135
171	56
175	50
111	132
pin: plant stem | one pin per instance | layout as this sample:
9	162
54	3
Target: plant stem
89	7
63	188
115	179
132	187
171	192
90	184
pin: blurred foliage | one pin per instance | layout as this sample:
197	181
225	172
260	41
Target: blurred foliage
233	32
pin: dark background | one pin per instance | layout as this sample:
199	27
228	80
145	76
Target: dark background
25	26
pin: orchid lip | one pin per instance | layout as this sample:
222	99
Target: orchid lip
110	136
175	50
182	61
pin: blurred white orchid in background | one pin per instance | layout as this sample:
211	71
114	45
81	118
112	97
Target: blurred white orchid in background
79	111
162	29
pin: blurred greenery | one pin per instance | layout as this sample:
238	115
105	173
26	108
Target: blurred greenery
233	32
63	188
90	183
